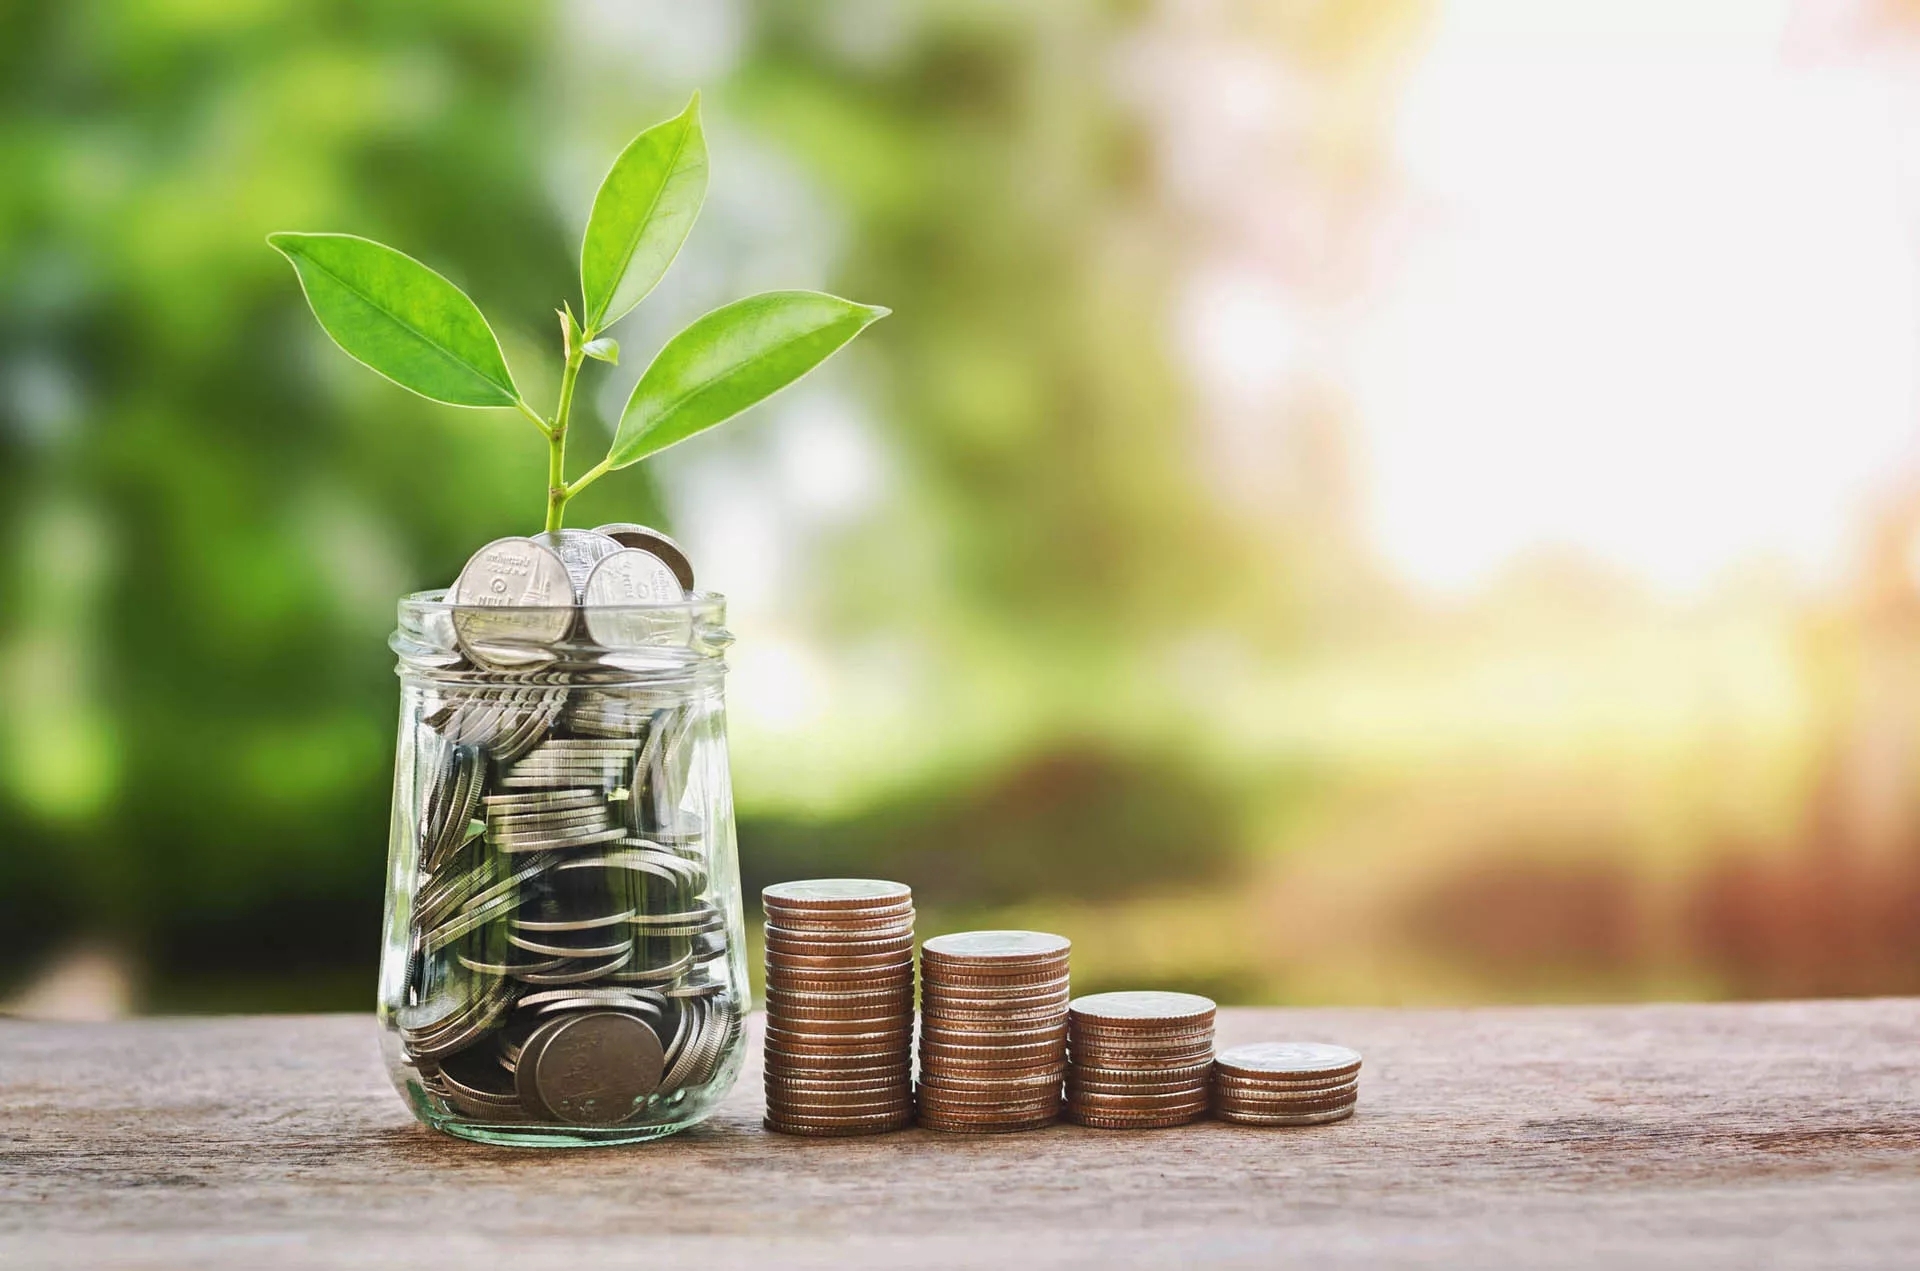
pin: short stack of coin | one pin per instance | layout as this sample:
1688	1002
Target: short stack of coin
839	1046
1138	1061
993	1030
1286	1083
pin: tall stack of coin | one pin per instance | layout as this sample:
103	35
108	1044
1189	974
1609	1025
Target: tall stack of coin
1286	1083
993	1030
839	1052
1138	1061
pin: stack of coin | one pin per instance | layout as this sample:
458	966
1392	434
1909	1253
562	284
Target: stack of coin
993	1030
1138	1061
839	1052
1286	1083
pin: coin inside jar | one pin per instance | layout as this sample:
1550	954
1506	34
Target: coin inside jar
595	1067
648	539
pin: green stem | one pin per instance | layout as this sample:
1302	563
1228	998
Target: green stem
558	491
591	475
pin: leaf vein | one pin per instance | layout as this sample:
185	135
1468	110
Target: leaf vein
455	359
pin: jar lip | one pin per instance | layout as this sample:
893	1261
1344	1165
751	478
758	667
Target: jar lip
434	601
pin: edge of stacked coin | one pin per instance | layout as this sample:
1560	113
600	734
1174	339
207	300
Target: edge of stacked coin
1139	1060
839	1039
993	1030
1286	1083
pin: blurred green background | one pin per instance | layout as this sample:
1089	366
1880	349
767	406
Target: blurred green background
1160	573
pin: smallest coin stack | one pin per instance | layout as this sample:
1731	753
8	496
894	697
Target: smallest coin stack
1286	1083
839	1051
1138	1061
993	1030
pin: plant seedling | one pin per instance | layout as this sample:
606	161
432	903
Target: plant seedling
410	324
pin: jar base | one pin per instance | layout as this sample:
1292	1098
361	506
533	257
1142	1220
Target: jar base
501	1134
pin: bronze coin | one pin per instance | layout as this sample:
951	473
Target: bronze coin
975	1047
1115	1064
1319	1104
844	1062
835	1131
1097	1121
783	947
932	1065
1295	1118
1138	1105
1199	1071
893	934
1272	1094
1007	1100
1290	1061
878	1118
849	1104
948	1125
843	994
939	1030
838	982
794	1087
992	993
1032	982
863	1024
990	1024
781	1069
1143	1088
786	1009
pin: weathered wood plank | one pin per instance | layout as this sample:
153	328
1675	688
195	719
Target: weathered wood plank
1784	1134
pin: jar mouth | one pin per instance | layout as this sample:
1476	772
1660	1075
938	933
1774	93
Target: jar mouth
598	642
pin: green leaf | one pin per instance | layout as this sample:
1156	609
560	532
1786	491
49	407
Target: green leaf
641	215
604	348
730	359
388	310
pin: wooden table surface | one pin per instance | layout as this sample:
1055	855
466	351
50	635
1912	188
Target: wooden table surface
1687	1136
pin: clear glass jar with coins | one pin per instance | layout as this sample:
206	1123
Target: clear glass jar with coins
563	960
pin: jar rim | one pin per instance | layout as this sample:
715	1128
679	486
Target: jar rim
484	643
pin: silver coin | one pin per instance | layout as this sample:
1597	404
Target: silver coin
469	920
581	550
574	971
618	593
1288	1059
519	923
531	943
547	997
557	844
513	598
544	801
648	539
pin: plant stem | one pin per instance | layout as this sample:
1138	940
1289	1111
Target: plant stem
588	477
557	491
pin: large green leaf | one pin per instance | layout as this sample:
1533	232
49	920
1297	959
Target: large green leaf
641	215
393	313
730	359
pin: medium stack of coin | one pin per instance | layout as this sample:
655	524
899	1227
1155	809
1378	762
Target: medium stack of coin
839	1045
1286	1083
1138	1061
993	1030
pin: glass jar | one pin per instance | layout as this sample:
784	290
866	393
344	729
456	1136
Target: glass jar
564	957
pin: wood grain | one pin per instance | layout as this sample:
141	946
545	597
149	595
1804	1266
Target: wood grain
1776	1135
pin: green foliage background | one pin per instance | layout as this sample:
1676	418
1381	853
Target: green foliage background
208	512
